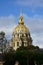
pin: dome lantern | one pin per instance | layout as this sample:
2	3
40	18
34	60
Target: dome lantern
21	19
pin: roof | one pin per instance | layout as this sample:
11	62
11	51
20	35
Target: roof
21	28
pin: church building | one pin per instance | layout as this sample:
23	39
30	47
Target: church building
21	35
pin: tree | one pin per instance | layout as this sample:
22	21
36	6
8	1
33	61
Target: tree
3	41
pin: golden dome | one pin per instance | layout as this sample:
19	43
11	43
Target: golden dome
21	28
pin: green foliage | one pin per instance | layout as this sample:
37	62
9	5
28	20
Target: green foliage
24	57
3	41
31	47
2	34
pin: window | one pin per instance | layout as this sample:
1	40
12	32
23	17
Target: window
17	43
14	44
22	35
25	43
26	35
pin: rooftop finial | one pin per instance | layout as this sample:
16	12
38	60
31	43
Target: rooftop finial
21	18
21	12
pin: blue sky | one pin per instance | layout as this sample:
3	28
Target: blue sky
32	11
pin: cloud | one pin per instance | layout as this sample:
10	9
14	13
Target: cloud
36	3
35	25
7	23
37	39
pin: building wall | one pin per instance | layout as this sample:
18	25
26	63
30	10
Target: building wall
1	63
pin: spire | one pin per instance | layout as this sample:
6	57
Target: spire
20	12
21	19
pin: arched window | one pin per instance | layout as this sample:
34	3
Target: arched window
17	43
14	44
22	35
26	35
25	43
